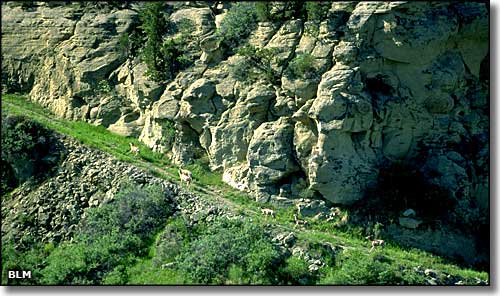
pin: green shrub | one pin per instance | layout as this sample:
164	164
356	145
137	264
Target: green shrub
296	271
111	236
140	211
240	21
154	24
230	245
29	150
317	10
171	241
362	268
303	66
263	11
103	87
28	260
258	63
163	56
168	132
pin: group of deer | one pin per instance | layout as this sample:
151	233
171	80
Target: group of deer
187	177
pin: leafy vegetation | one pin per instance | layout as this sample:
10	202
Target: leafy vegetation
317	10
240	21
361	268
111	237
263	11
161	44
29	151
97	137
258	64
226	245
154	24
302	66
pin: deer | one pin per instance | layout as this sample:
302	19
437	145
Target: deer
377	243
268	212
298	221
186	176
134	149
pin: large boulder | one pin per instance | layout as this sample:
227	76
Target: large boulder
270	154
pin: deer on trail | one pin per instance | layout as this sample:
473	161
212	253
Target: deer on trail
186	176
134	149
377	243
268	212
298	221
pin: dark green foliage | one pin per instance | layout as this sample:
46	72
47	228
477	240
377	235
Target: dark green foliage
139	211
29	151
263	11
154	25
168	132
163	56
230	245
29	260
257	64
131	42
363	268
171	241
303	66
296	272
240	21
112	235
317	10
104	87
8	176
293	10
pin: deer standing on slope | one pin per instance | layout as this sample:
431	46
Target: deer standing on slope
186	176
134	149
377	243
268	212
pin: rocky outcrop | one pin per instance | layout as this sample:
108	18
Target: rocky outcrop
393	82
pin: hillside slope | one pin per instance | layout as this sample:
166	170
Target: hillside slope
47	221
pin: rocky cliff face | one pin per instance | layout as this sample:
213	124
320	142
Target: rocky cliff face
392	82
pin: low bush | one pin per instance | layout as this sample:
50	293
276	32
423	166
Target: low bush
296	272
29	151
258	64
302	66
229	245
317	10
111	236
240	21
27	260
362	268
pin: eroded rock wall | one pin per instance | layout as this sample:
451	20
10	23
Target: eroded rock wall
393	81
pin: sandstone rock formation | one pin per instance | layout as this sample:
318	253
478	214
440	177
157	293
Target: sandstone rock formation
393	81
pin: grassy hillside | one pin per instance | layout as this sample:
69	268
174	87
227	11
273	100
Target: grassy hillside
222	252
